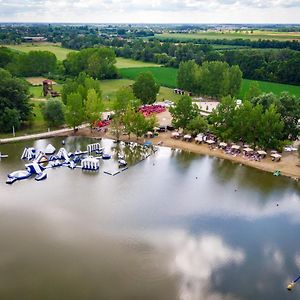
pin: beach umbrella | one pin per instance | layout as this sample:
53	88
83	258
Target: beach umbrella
261	152
210	142
248	150
235	147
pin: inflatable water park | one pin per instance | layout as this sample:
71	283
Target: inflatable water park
39	161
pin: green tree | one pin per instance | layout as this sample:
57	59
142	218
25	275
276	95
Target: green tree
235	80
186	76
74	110
145	88
94	106
37	63
14	95
128	120
139	124
197	125
124	96
53	113
80	84
117	126
124	99
10	118
253	91
289	108
96	62
222	118
271	129
183	112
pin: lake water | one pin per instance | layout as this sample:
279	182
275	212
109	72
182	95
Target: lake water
175	226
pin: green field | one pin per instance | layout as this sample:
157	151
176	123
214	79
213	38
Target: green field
61	53
110	87
163	75
167	77
271	87
130	63
215	35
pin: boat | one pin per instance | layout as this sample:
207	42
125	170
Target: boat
277	173
41	176
122	163
106	156
3	155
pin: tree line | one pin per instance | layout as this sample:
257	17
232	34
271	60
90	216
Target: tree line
15	109
260	43
268	65
97	62
266	121
216	79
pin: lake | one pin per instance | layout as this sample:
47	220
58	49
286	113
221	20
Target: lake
174	226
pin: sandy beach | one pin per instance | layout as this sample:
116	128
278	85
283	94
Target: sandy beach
288	166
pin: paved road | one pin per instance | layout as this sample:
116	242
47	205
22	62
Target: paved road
38	135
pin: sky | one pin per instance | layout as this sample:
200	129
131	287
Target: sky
155	11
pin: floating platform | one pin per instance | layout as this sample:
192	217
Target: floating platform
41	176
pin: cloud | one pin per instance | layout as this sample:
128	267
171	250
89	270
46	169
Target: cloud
145	11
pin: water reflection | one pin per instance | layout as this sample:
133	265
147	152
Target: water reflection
197	259
176	226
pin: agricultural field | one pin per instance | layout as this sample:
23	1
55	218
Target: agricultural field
130	63
61	53
167	77
256	35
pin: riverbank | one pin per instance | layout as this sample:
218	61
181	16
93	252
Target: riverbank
288	166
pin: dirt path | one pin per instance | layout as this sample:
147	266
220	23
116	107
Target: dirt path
65	131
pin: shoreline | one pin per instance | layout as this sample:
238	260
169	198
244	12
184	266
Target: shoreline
289	165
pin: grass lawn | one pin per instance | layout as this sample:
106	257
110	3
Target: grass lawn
130	63
215	35
167	77
269	87
110	87
61	53
163	75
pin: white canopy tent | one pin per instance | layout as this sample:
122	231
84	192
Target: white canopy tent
235	147
248	150
210	142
